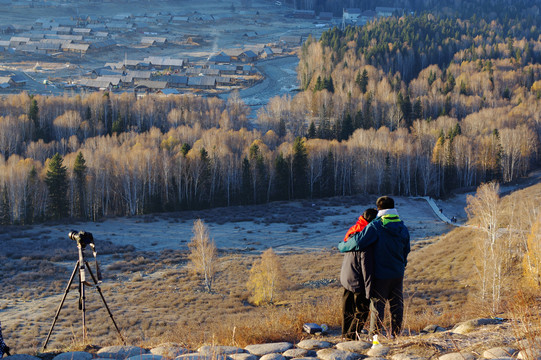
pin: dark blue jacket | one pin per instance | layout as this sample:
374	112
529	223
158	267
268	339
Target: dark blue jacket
391	241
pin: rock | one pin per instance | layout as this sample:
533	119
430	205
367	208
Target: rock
242	356
121	352
146	357
197	356
529	354
270	348
353	346
335	354
457	356
73	355
169	350
224	350
499	352
378	351
299	353
312	344
406	356
430	329
22	357
470	325
272	357
532	343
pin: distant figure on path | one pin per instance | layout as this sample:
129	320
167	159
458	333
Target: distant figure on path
356	277
391	241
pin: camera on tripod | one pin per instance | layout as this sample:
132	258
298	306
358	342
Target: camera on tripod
82	238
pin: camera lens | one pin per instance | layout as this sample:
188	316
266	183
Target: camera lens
73	235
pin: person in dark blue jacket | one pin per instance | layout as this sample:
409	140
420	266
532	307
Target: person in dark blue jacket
391	241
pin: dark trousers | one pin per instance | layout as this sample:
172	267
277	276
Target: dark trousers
355	308
384	290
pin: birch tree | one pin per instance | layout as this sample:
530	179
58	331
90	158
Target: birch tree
203	253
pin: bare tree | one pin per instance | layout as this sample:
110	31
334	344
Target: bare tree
203	253
485	209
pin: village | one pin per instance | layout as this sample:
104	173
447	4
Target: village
199	49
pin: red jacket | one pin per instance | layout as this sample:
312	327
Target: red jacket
358	227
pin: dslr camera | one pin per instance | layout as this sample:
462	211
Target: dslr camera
82	238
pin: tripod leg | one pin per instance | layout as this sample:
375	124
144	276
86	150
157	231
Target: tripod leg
104	302
61	303
83	309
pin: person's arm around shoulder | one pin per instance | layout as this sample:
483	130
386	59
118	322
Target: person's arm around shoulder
360	240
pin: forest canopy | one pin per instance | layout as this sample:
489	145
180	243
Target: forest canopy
416	105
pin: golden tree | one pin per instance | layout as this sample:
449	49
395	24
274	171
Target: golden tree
203	253
266	277
532	257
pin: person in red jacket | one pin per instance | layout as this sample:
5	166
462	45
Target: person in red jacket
356	277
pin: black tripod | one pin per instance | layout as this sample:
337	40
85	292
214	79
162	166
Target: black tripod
82	239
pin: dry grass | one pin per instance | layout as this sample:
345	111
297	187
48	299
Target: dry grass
155	297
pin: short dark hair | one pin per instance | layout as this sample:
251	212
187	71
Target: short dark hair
370	214
385	202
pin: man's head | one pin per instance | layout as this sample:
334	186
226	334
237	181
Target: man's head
385	202
370	214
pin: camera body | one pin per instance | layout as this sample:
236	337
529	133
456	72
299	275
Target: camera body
82	238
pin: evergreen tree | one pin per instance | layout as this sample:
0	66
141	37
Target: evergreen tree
5	210
29	201
247	197
282	177
327	183
417	110
79	172
185	148
33	115
363	81
347	128
300	168
57	184
312	132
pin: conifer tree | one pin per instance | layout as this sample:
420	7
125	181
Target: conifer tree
79	171
57	184
282	177
300	168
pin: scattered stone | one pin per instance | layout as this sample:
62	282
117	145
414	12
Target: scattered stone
270	348
146	357
406	356
431	329
197	356
312	344
375	358
529	354
217	349
73	355
169	350
499	352
22	357
242	356
378	351
533	343
457	356
121	352
470	325
272	357
353	346
335	354
299	353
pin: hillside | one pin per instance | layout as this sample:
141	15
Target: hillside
154	295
